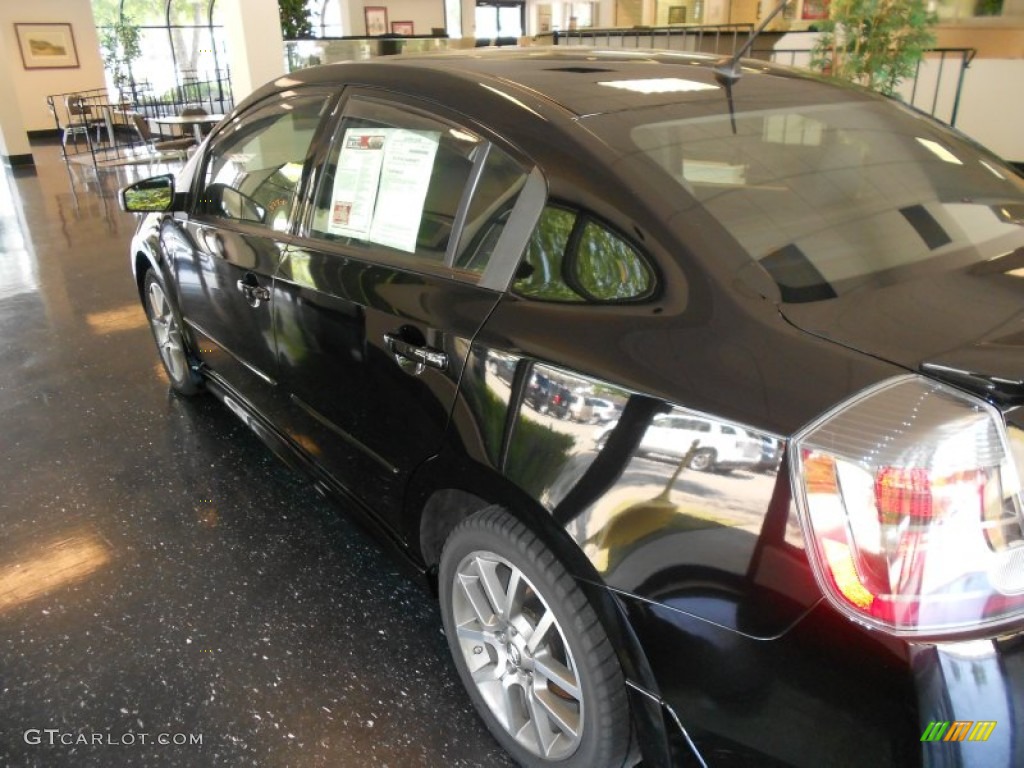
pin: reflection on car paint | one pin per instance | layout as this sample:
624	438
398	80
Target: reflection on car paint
643	502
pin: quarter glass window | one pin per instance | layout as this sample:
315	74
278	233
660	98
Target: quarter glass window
572	257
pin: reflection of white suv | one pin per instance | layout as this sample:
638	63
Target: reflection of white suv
603	410
591	410
720	446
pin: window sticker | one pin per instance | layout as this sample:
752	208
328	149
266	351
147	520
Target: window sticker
356	181
381	184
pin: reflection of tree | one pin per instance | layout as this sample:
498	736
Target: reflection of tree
544	255
608	268
537	452
612	460
572	258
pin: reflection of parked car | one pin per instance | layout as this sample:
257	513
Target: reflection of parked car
503	368
547	396
720	446
591	410
771	455
602	410
559	398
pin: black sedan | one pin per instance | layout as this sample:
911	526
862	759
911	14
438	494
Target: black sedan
369	263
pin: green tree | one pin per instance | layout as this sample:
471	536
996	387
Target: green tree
295	21
876	43
119	43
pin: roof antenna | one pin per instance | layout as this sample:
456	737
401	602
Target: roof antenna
728	71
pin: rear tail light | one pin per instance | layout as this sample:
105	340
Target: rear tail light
911	502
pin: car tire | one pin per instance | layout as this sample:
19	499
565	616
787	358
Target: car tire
171	344
580	721
703	460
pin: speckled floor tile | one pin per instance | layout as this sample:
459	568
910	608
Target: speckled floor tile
162	577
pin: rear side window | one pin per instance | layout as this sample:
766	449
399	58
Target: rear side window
572	257
398	180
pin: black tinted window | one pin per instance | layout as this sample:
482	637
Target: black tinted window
832	197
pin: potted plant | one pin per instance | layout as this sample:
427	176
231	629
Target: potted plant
876	43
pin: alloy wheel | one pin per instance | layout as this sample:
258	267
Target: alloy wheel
518	656
167	332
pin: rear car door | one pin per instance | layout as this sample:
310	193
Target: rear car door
246	194
405	253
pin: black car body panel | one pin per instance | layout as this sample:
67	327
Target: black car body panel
701	578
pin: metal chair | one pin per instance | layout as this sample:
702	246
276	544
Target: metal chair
80	122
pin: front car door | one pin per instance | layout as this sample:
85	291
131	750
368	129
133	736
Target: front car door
245	194
406	253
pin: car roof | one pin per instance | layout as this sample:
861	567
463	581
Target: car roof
577	80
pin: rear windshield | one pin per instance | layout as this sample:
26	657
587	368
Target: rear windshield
830	197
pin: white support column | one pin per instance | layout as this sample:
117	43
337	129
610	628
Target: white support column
14	146
255	45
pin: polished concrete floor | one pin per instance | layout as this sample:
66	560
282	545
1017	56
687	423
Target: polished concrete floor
162	577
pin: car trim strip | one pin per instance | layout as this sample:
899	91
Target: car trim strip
513	239
343	434
196	327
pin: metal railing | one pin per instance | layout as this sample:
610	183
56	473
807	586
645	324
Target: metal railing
212	92
97	129
935	88
717	39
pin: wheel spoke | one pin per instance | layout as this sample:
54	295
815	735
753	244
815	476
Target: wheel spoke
546	622
556	711
555	672
511	605
539	725
474	635
488	673
492	586
474	593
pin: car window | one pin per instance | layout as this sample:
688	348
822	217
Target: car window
252	173
834	197
574	258
396	179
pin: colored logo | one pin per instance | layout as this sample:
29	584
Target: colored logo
959	730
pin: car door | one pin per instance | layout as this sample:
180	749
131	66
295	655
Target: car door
245	200
375	312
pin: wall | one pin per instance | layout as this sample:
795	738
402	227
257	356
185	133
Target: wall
424	14
32	86
993	39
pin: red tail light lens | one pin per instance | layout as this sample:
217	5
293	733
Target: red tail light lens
912	505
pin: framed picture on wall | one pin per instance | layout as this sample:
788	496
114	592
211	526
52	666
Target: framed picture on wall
47	46
404	28
814	9
677	14
376	20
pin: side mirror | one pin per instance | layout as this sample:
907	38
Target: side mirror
149	195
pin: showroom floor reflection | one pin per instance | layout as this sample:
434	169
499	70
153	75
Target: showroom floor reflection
162	577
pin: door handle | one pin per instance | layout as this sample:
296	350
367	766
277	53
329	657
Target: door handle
419	357
254	293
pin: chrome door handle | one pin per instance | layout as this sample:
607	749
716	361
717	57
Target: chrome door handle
254	294
419	356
